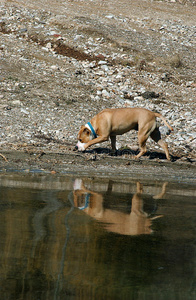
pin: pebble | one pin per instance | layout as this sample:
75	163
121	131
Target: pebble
105	94
16	103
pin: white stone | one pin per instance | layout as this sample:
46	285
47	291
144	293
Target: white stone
102	62
105	94
16	103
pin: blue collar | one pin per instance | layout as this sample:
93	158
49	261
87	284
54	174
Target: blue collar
92	130
86	202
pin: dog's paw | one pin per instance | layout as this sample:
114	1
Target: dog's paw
80	146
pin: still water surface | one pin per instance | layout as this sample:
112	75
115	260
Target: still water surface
73	238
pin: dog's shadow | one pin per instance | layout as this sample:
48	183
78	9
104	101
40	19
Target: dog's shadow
132	153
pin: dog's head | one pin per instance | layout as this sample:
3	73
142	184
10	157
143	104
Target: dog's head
84	136
81	194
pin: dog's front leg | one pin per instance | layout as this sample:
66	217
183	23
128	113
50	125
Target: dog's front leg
113	142
99	139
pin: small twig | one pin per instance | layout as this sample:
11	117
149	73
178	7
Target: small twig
50	139
3	157
41	154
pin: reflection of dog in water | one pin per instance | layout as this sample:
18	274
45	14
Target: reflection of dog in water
136	223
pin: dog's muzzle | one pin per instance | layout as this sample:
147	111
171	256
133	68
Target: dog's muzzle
80	146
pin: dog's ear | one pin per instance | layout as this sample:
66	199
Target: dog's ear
86	130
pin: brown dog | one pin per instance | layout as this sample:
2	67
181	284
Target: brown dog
134	223
111	122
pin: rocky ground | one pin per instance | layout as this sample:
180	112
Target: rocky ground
64	61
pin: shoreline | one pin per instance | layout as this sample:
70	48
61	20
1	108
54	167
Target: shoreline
97	165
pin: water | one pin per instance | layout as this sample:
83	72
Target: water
68	238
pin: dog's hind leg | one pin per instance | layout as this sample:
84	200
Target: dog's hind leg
142	143
143	134
156	136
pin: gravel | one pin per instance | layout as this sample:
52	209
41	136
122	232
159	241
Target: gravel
60	67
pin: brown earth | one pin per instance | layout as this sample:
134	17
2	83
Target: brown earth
97	164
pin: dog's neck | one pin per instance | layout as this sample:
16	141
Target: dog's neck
90	127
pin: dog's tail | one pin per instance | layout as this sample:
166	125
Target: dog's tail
163	119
